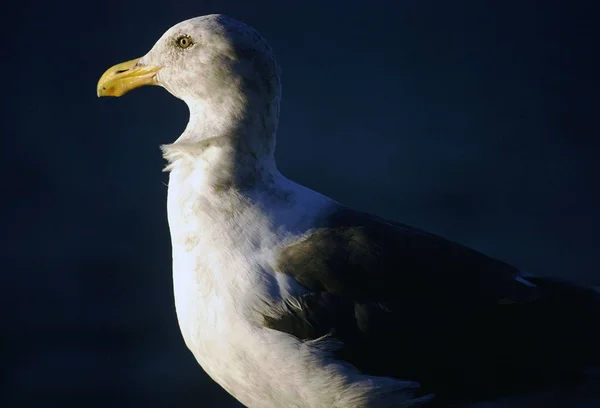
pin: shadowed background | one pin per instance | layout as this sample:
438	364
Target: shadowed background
477	122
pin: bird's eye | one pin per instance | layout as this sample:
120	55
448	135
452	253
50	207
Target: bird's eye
184	41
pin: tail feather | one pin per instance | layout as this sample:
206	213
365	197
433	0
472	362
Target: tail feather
552	341
571	314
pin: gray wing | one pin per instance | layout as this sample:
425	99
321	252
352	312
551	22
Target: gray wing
412	305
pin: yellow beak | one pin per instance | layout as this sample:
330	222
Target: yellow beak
124	77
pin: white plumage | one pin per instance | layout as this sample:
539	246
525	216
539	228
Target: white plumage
224	281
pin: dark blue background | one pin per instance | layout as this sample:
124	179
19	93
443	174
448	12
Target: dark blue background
472	120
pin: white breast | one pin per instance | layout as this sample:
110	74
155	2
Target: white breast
223	249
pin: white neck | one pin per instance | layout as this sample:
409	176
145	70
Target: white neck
226	145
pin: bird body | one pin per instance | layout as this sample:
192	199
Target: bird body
287	298
222	279
224	248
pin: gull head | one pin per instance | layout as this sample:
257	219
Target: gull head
223	69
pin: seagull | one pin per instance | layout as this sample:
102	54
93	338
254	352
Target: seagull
287	298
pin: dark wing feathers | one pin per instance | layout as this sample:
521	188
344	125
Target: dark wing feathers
415	306
359	256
